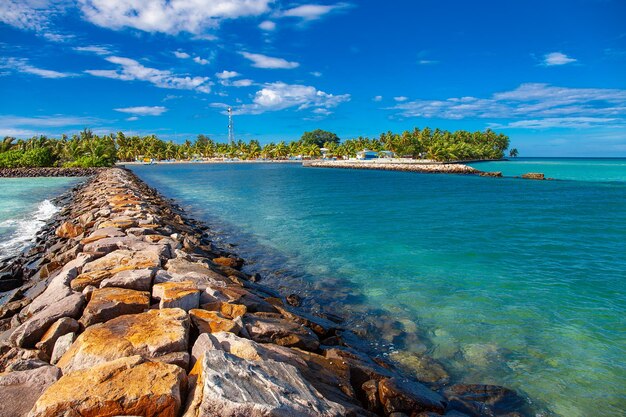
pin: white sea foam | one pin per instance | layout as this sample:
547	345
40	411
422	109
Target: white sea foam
24	229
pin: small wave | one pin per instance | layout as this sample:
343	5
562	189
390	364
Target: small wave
24	229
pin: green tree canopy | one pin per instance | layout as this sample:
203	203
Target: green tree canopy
319	137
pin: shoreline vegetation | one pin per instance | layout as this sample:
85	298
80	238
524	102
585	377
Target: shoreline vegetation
86	149
123	293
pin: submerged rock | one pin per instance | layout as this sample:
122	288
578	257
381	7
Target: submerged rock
408	397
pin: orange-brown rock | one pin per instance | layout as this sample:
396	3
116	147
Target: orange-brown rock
127	386
108	303
182	294
119	223
228	310
123	260
69	230
89	278
212	322
230	262
152	334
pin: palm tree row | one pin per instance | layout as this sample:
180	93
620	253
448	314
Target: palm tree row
88	149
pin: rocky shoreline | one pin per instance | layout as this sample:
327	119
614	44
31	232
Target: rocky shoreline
48	172
423	168
126	307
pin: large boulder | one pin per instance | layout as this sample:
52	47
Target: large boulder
478	399
32	330
69	230
405	396
184	295
212	322
135	279
59	328
228	386
108	303
123	260
20	390
152	334
280	331
127	386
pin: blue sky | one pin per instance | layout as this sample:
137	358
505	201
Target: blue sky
550	74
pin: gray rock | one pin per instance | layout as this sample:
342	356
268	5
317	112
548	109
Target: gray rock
230	386
59	328
61	346
20	390
136	279
31	331
405	396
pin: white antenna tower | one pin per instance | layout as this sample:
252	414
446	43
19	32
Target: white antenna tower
231	130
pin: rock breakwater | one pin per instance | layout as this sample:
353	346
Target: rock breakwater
434	168
48	172
132	310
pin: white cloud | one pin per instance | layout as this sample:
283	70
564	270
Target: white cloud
18	126
94	49
130	70
132	119
400	99
143	110
242	83
312	11
224	75
532	105
264	61
181	54
316	74
267	25
427	62
21	65
34	15
171	17
560	122
280	96
200	61
377	98
557	58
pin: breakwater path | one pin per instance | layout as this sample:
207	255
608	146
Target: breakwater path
427	168
134	311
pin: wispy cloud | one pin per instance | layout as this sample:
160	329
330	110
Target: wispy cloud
224	75
19	126
181	55
557	58
530	105
201	61
143	110
23	66
267	25
400	99
191	16
279	96
94	49
268	62
35	16
313	11
377	98
129	70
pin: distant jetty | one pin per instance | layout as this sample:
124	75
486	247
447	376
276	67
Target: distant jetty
47	172
125	306
427	167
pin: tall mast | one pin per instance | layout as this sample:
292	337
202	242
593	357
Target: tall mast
231	129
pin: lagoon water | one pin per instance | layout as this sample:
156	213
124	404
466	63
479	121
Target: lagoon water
24	208
505	281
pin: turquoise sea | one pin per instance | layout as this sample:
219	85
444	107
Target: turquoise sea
24	208
505	281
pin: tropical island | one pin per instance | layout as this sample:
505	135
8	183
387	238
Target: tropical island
86	149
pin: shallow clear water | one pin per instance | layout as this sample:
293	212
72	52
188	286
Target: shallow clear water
579	169
508	281
24	208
